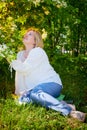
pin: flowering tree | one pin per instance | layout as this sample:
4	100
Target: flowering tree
6	53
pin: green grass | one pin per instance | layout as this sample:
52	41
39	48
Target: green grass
34	117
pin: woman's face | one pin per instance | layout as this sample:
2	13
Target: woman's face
29	38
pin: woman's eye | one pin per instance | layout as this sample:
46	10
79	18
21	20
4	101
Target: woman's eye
29	34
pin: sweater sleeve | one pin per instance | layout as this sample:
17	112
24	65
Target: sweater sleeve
19	55
33	60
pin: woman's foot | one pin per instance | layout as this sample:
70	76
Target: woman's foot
72	106
78	115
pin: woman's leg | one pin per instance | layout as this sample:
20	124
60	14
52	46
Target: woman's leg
25	98
51	88
45	94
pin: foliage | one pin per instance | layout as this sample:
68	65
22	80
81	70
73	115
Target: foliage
6	79
73	74
63	20
77	25
6	53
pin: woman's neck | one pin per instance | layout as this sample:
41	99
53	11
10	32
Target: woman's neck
28	49
26	53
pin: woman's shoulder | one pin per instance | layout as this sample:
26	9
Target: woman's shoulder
37	52
20	53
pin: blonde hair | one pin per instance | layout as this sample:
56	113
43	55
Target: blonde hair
38	37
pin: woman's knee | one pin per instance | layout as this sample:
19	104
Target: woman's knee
34	93
36	96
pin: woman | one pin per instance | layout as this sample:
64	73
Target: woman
35	79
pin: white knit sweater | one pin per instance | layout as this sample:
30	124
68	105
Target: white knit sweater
35	70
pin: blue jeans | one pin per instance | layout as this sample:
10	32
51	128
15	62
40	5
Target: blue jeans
45	94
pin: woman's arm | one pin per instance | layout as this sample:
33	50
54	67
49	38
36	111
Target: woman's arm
33	60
